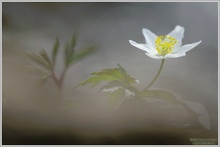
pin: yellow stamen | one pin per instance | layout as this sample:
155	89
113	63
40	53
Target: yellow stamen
165	44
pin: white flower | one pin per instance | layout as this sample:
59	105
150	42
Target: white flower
164	47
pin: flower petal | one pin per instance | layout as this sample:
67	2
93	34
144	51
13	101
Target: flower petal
175	55
178	34
155	56
143	47
187	47
149	36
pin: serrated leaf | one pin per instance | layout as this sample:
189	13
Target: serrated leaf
55	50
39	60
115	75
109	75
116	96
92	80
80	55
124	73
113	84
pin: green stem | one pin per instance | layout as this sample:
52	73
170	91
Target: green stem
158	73
59	80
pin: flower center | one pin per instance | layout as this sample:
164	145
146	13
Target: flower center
165	44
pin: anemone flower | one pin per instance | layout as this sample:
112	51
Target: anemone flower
164	47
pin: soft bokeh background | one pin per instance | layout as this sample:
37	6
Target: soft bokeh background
31	113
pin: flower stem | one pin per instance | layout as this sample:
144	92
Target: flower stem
59	80
158	73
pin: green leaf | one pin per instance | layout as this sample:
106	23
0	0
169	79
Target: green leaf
41	72
122	70
160	94
113	84
40	60
42	81
92	80
46	57
110	75
70	49
66	53
80	55
116	96
55	50
73	40
124	73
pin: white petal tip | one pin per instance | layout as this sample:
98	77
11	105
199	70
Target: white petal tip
197	43
130	41
178	26
145	30
133	43
188	47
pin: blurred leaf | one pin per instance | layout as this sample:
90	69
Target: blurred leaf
42	81
199	110
109	75
73	40
78	56
122	70
160	94
116	96
203	116
66	54
70	49
40	71
43	74
46	57
40	60
205	121
55	50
